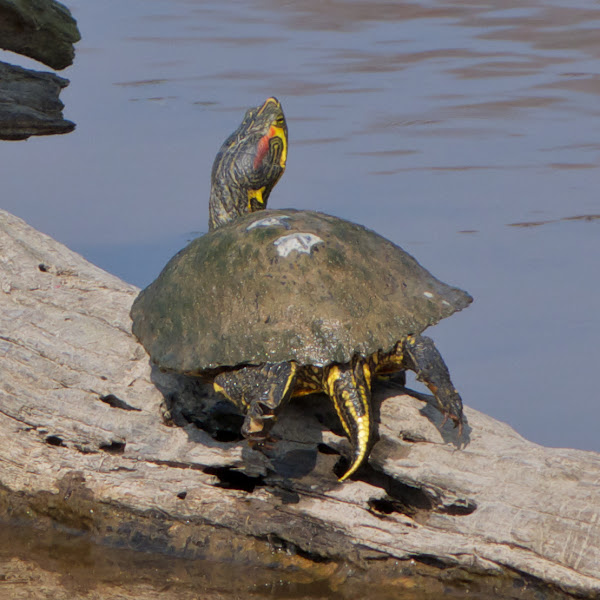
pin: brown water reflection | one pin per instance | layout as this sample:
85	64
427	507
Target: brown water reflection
43	564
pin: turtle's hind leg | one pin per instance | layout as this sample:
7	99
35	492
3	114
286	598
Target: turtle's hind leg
420	355
349	387
259	392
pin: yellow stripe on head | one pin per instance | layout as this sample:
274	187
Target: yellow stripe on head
271	100
280	132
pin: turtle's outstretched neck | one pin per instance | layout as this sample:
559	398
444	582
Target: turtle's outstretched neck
226	203
248	164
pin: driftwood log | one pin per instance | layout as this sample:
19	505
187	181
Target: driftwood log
85	447
41	29
29	104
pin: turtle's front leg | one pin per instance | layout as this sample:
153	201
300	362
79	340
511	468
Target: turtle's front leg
259	392
420	355
349	387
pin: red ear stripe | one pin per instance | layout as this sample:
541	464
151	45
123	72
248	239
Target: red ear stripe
263	147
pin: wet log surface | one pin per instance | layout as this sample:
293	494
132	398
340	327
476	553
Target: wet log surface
29	103
85	447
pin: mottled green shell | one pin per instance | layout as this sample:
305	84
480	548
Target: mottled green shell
278	285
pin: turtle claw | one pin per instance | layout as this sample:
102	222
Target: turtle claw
423	358
456	416
257	424
454	411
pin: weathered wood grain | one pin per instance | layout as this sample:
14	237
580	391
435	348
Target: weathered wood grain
29	103
41	29
84	445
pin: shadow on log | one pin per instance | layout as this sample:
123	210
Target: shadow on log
85	447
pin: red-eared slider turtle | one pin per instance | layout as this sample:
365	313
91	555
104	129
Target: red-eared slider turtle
279	303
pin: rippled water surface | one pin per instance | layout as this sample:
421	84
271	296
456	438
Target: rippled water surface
467	132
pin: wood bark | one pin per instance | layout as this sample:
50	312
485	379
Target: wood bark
29	103
41	29
85	447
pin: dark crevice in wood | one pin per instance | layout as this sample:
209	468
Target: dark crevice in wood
115	402
459	508
54	440
410	500
232	479
400	497
113	447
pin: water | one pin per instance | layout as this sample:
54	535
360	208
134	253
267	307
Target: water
39	565
466	132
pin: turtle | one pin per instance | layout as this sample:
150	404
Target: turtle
271	304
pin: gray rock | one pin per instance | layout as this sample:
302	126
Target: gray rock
29	103
80	406
41	29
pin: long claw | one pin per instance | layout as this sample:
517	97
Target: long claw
423	358
460	427
349	387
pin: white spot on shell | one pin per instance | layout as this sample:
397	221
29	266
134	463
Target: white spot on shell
428	294
269	222
301	242
446	302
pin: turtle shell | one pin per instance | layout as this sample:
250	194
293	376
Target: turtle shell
279	285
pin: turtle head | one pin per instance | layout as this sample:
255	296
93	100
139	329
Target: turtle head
249	164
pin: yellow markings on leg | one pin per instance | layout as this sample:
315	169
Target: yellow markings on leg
333	376
349	389
221	390
255	195
386	363
367	374
361	381
291	378
396	356
237	401
309	380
